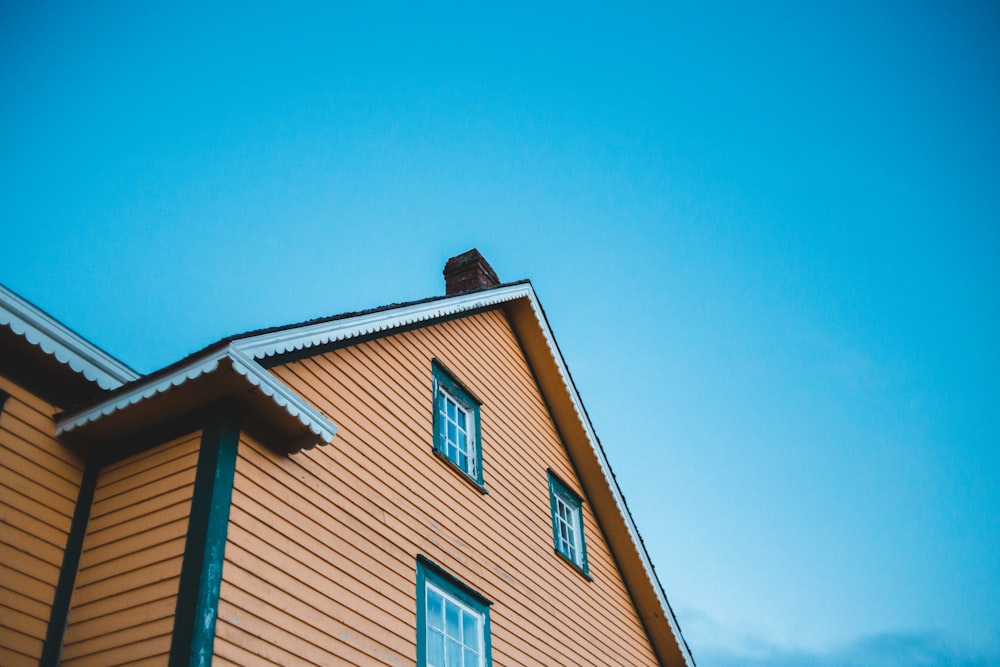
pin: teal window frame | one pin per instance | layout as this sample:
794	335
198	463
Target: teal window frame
573	548
433	584
446	384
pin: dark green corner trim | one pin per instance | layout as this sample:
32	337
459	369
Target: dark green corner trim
52	648
201	568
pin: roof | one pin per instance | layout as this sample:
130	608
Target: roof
218	373
51	360
244	358
56	360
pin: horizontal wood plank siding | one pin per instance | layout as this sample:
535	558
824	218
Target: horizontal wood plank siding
323	544
39	482
126	589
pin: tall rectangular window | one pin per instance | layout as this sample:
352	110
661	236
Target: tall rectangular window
453	621
456	424
567	523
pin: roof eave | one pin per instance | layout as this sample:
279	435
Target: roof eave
531	325
59	341
519	300
296	339
206	377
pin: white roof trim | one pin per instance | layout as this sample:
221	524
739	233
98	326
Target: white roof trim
139	390
255	374
306	336
282	394
606	469
243	353
55	339
322	333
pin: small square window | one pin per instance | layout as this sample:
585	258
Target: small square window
456	424
453	621
567	523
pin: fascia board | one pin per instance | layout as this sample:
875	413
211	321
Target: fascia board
204	364
139	391
609	477
323	333
68	347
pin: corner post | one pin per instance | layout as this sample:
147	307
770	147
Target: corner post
59	616
204	550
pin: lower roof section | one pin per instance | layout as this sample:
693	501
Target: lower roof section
220	374
52	360
233	370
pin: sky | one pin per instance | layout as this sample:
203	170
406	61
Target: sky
766	236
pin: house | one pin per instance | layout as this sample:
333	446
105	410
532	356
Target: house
414	484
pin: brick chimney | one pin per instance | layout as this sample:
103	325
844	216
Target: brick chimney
468	272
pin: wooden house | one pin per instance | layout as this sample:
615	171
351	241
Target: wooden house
417	484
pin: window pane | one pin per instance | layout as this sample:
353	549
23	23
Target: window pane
451	411
463	461
471	658
435	649
452	437
470	630
461	441
563	508
434	604
454	653
453	620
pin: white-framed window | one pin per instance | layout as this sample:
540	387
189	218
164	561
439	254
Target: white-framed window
453	621
456	424
455	440
567	523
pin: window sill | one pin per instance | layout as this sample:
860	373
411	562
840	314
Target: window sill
583	573
461	473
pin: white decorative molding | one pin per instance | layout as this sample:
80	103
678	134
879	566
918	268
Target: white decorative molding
57	340
386	320
139	390
242	354
245	366
282	394
294	339
609	477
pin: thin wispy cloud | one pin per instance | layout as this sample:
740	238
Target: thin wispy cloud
723	647
886	650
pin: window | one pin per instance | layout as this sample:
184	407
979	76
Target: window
453	621
567	523
456	424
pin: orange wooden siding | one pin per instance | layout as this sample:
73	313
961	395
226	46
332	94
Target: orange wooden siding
320	563
126	588
39	483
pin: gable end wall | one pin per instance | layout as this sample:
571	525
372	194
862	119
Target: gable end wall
356	514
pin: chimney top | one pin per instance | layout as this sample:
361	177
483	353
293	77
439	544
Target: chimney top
468	272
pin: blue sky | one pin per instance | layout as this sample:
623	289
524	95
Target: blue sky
766	235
